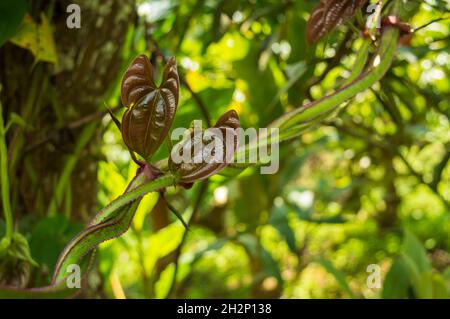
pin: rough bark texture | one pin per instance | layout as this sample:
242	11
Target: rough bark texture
89	60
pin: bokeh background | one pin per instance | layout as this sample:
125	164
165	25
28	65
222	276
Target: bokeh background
370	185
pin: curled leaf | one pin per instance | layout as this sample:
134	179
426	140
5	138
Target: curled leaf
150	109
199	156
328	15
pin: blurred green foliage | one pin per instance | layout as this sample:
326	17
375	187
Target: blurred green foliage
345	192
368	186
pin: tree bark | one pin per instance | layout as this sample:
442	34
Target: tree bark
49	97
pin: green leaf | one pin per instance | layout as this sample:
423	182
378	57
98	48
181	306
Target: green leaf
49	237
16	119
397	281
414	249
269	266
423	287
338	275
146	206
38	38
11	14
46	48
261	79
440	287
111	222
279	220
294	71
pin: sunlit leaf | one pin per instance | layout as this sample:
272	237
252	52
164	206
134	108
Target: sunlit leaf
38	38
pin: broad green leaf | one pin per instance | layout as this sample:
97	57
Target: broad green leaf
148	202
11	14
112	180
49	237
397	281
413	248
164	242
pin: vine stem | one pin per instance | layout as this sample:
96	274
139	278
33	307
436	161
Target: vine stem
380	65
116	218
111	222
4	177
143	187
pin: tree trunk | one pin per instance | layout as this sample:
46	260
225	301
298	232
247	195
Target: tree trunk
53	98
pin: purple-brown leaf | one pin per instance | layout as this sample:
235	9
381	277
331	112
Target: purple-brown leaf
226	134
150	109
329	14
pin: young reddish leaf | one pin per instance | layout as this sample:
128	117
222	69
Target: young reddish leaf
198	147
137	81
150	109
329	14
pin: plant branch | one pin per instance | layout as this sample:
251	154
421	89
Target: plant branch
431	22
439	169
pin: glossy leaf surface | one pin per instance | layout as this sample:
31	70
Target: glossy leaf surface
150	109
188	172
